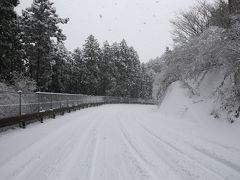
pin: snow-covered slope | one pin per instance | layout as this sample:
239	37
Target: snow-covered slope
179	101
198	102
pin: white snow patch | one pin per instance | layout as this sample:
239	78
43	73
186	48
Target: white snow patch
196	101
129	142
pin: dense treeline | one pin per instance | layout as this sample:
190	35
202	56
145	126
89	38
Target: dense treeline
207	38
32	47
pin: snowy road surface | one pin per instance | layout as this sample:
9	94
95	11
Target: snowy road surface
121	142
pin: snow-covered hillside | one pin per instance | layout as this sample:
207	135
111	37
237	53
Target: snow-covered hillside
199	100
179	101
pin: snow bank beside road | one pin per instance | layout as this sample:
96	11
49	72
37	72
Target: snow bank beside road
181	102
176	100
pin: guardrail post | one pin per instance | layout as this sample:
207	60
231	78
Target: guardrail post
67	102
51	101
22	123
68	107
39	107
61	106
20	102
59	97
53	113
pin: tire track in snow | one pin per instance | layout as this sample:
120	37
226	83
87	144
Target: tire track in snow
46	154
160	164
94	156
165	168
207	155
216	158
180	152
68	167
141	163
112	146
228	156
81	162
39	159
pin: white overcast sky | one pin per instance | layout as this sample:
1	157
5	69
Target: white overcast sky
143	23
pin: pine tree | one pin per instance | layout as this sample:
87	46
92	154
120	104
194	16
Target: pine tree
128	65
60	56
112	56
146	82
10	54
122	66
80	72
134	71
107	79
40	29
91	59
69	73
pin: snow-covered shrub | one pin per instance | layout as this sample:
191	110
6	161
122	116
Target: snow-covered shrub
216	49
189	61
23	83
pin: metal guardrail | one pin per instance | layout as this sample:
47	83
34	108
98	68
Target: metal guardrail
21	107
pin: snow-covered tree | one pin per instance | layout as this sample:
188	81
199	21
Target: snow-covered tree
59	78
220	14
128	66
191	23
231	56
145	83
40	30
10	53
79	72
107	70
91	59
115	73
134	73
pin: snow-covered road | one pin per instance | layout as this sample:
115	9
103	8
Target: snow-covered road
120	142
